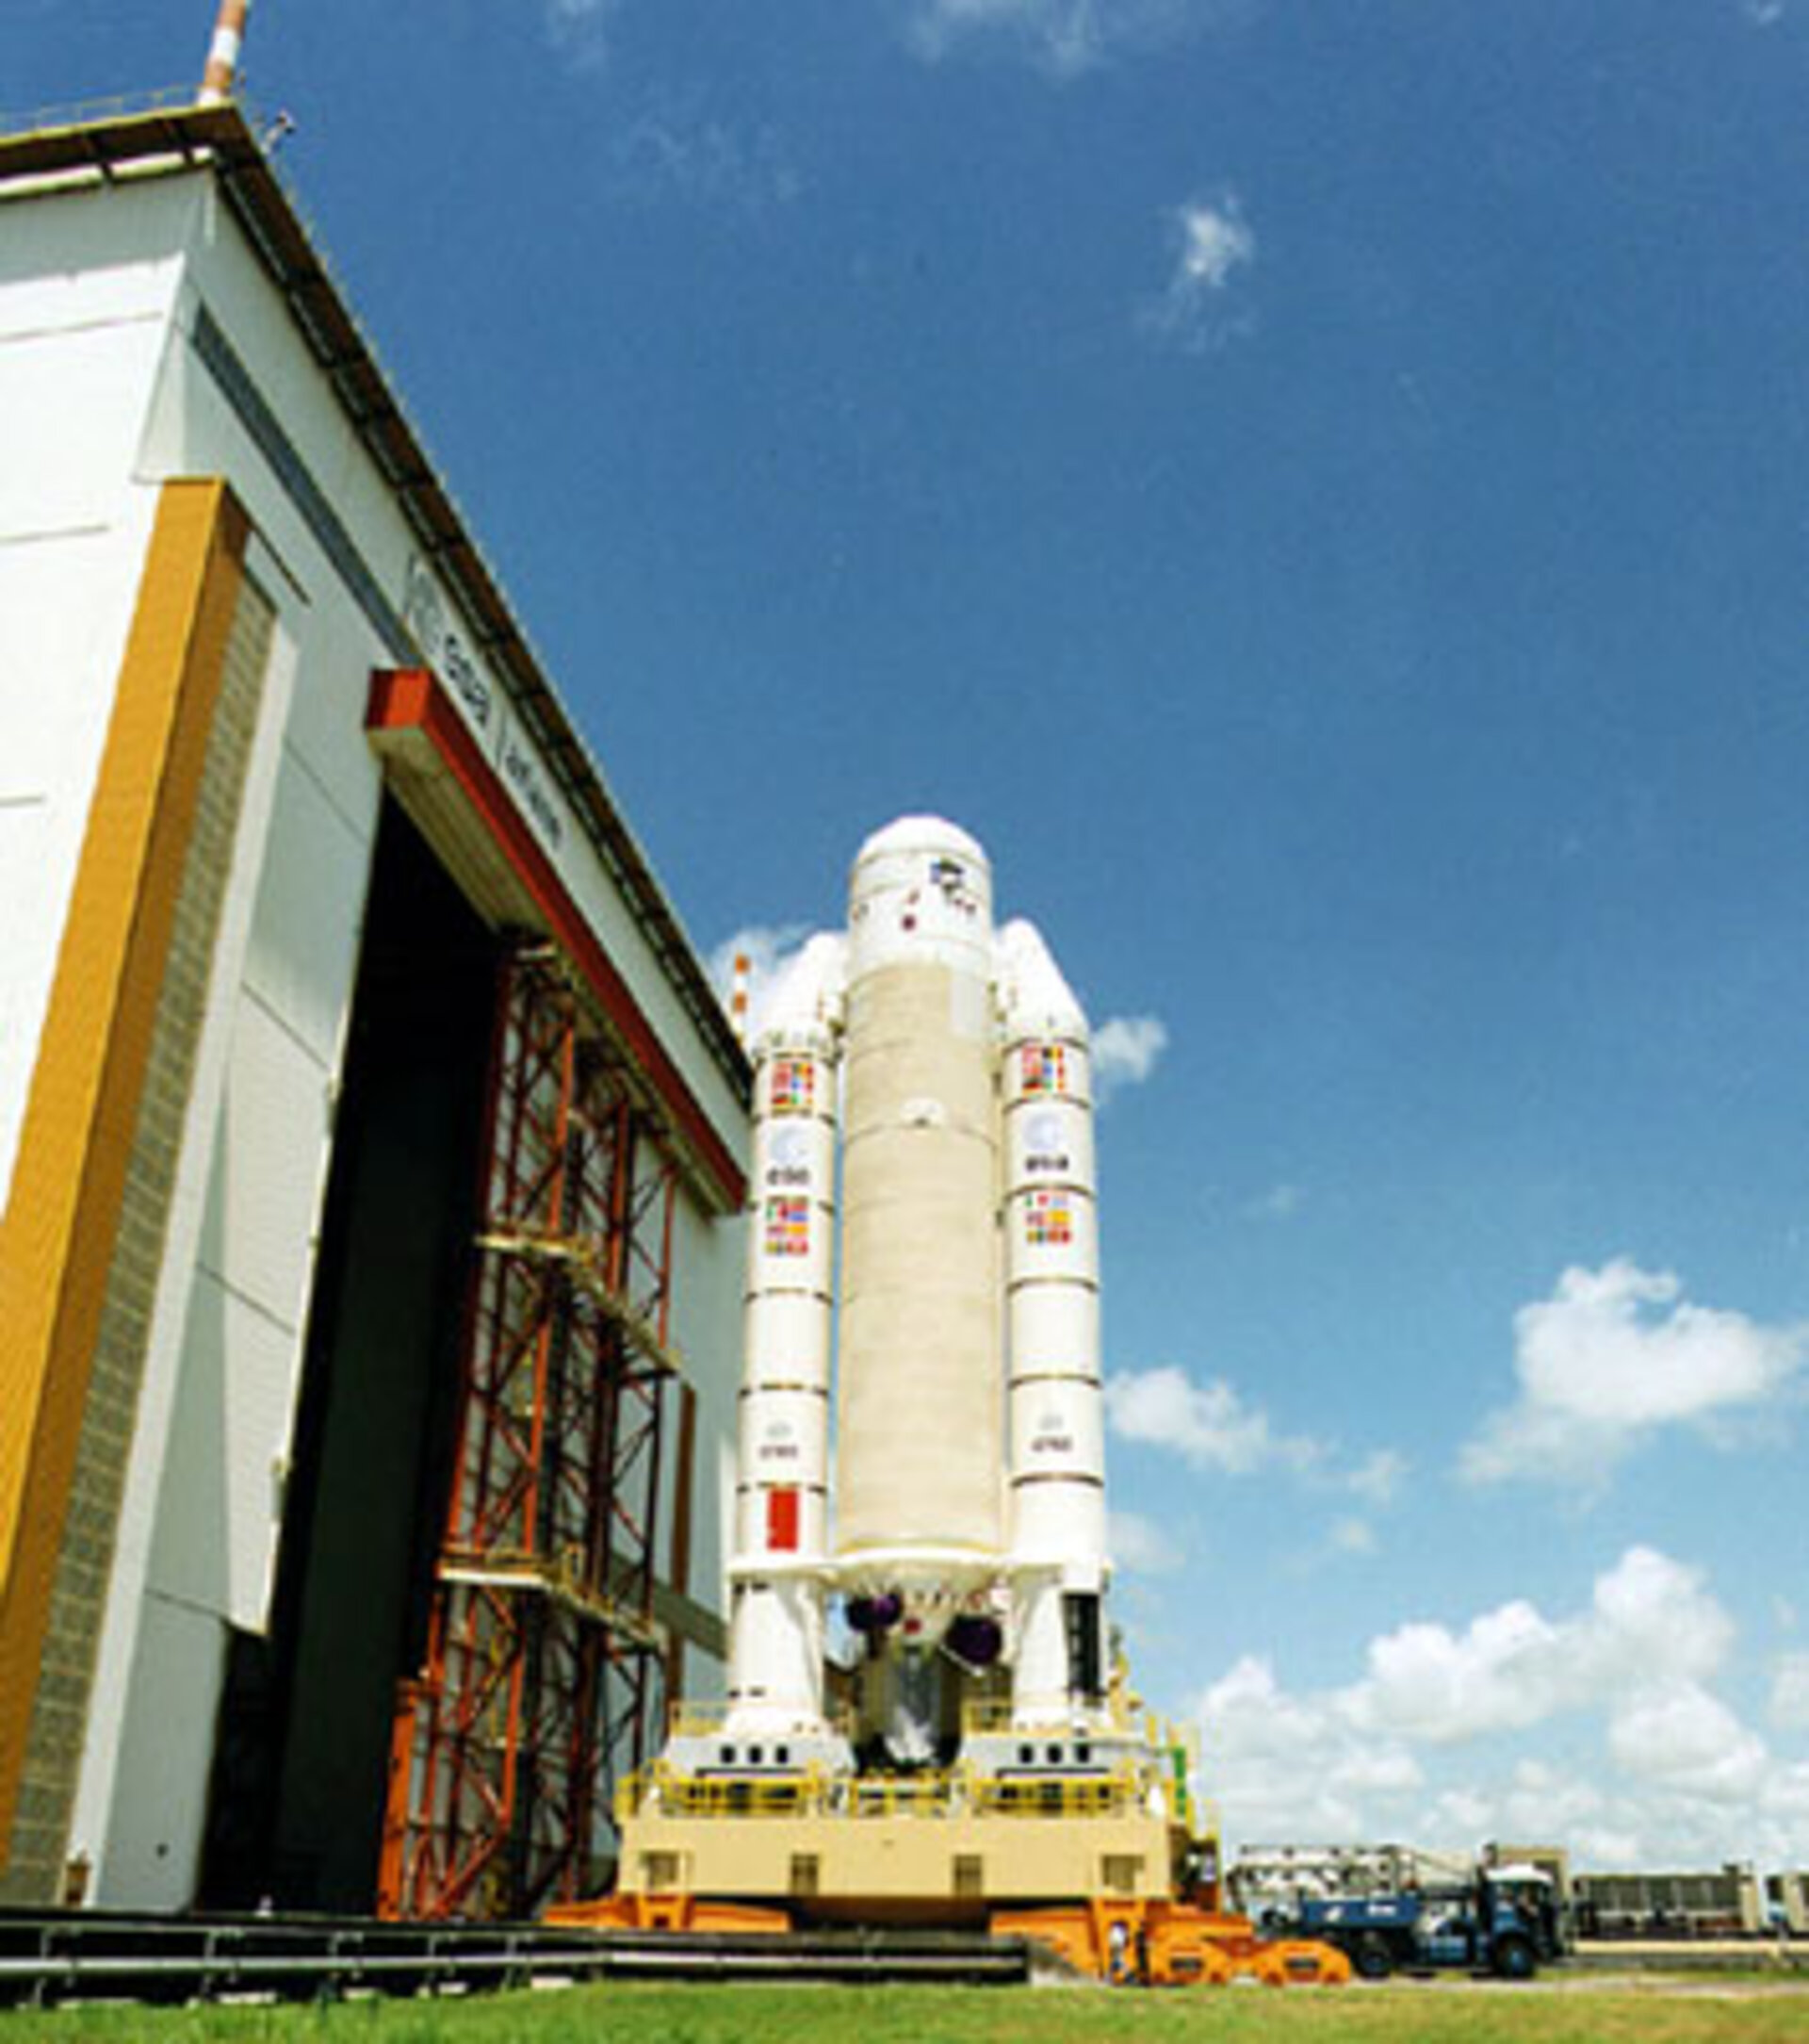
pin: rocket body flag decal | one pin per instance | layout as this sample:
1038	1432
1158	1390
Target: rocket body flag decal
782	1520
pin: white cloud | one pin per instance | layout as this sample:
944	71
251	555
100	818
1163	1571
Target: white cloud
1784	1802
1652	1618
1287	1767
1504	1671
1280	1202
1379	1475
1215	241
1462	1814
1198	310
1590	1353
1141	1548
1652	1628
1677	1736
1606	1848
1067	34
1789	1708
1125	1051
1427	1743
1063	37
1353	1536
1209	1424
770	951
1541	1801
579	28
1251	1715
1616	1354
677	146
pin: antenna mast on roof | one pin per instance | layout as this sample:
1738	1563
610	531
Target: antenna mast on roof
221	75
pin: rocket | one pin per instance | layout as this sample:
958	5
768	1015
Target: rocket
921	1216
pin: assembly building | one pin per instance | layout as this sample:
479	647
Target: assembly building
371	1142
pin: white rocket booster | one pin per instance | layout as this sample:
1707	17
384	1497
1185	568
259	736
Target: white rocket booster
1058	1539
970	1512
781	1507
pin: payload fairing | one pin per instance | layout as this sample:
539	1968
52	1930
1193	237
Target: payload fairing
946	1064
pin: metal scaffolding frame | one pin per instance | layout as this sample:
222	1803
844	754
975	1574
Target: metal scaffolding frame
544	1675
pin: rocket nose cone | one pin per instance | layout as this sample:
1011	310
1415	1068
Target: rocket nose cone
918	887
921	835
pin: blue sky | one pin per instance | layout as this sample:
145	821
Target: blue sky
1322	491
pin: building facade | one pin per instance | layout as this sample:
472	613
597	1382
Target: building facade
370	1140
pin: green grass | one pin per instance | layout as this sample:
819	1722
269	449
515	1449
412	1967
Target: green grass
1412	2014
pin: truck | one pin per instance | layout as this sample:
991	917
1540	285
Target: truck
1503	1920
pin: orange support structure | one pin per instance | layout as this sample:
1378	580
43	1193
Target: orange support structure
544	1675
1158	1943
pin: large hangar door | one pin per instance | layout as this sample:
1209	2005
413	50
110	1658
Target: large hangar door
299	1786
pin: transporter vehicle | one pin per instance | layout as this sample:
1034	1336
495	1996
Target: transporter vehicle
1503	1920
1101	1855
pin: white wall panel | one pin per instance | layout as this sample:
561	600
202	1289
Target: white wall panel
228	1458
326	730
65	610
83	259
84	308
27	850
264	333
74	404
706	1324
264	1202
304	942
155	1853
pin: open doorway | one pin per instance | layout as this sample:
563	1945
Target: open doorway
298	1793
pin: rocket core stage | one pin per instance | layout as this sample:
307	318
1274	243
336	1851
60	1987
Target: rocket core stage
968	1537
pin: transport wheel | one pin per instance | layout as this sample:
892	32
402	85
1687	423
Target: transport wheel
1514	1959
1372	1958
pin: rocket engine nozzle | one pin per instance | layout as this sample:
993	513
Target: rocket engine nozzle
875	1614
975	1640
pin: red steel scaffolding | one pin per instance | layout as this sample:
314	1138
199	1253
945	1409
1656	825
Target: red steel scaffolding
543	1673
